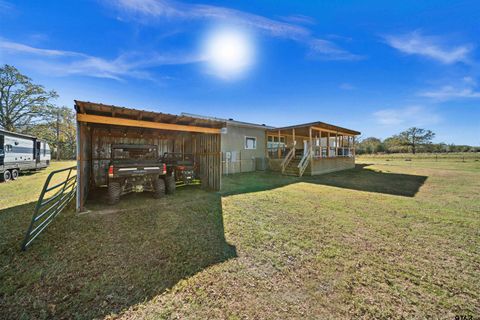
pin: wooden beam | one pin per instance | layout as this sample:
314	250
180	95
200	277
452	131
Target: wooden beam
142	124
353	146
278	146
336	144
293	135
320	143
311	143
331	131
266	146
328	144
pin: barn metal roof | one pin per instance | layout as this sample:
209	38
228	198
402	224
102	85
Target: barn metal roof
100	109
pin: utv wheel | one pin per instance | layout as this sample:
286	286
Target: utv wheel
170	184
6	176
159	188
114	190
14	174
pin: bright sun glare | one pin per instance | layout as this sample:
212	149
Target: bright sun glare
229	52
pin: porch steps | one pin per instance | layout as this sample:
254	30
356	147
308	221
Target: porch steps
292	168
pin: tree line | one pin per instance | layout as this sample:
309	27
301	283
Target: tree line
411	140
26	107
29	108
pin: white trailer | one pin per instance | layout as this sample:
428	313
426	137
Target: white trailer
21	152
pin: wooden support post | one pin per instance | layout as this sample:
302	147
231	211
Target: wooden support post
328	144
183	148
311	144
341	144
336	144
278	146
353	146
266	145
293	135
320	143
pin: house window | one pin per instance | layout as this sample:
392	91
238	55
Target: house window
250	143
275	139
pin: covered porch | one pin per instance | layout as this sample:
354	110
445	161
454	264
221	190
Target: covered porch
310	149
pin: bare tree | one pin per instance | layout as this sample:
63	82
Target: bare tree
414	137
21	101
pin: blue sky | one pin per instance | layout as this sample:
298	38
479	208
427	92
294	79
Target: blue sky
373	66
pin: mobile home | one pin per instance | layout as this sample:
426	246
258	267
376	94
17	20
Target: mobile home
20	152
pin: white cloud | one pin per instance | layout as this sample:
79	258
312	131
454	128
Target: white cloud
431	47
450	92
63	63
462	89
13	47
298	18
161	10
406	117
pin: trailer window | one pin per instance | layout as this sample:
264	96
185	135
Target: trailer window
8	148
134	153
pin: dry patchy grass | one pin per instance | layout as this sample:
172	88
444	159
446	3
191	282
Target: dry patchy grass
386	240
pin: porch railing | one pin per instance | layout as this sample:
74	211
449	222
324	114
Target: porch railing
47	209
302	166
290	155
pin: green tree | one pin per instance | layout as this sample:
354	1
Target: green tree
21	101
415	137
58	128
370	145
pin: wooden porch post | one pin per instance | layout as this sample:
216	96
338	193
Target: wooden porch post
328	144
341	145
336	144
310	137
278	146
293	135
353	146
320	143
266	144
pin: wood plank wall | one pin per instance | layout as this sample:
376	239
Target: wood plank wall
208	153
84	164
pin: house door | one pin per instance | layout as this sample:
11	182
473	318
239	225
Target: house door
305	147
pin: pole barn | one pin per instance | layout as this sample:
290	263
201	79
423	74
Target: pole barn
99	126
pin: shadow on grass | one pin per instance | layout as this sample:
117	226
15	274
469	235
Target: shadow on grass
360	178
103	262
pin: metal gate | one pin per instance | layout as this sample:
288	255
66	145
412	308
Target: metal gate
48	207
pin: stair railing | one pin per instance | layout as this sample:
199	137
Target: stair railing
287	159
302	166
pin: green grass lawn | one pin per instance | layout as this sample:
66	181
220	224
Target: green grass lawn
389	239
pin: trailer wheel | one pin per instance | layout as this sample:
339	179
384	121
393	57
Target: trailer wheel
170	184
14	174
114	191
6	176
159	188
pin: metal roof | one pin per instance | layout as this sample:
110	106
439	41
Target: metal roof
21	135
92	108
229	121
